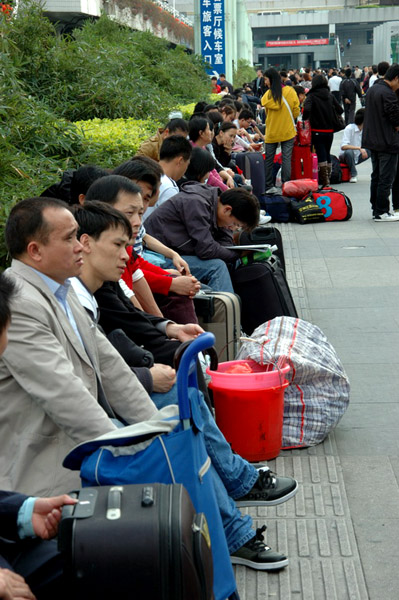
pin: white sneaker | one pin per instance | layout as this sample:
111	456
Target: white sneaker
353	180
264	219
386	218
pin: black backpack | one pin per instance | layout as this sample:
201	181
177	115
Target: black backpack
336	173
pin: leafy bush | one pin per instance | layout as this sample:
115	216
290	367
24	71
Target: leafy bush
105	72
111	142
244	73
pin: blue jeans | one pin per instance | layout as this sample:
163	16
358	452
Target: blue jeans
348	157
232	476
213	272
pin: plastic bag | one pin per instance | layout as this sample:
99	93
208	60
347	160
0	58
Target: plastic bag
304	133
298	188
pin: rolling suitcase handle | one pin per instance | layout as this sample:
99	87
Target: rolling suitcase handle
187	373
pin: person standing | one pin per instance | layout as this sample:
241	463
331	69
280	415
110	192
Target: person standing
334	83
282	108
349	89
381	137
319	108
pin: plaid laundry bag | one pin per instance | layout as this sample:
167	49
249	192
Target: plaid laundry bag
318	394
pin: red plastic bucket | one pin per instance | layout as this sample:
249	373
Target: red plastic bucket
250	419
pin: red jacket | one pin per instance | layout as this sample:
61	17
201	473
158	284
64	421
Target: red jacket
158	279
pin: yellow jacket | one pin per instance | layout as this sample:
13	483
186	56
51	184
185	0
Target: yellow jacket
279	125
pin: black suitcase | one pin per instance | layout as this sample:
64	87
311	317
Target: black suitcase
264	293
220	313
265	235
136	541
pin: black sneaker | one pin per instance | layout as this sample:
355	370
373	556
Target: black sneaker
269	490
256	555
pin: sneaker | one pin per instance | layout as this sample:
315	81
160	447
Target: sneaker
396	211
256	555
273	190
386	218
269	490
353	180
264	219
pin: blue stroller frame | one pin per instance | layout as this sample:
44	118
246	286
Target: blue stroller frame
176	457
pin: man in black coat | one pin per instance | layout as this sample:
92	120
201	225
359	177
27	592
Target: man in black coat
349	89
381	137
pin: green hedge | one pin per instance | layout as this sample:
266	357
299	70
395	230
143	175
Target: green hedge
118	85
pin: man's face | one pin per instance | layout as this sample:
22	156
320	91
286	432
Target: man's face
108	254
181	168
60	256
131	205
226	219
147	192
3	339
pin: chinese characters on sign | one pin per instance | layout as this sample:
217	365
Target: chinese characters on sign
213	35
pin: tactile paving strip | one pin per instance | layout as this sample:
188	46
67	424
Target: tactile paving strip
294	274
314	528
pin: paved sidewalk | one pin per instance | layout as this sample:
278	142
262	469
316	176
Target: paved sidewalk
341	531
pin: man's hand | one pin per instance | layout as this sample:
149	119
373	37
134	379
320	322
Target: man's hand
185	286
180	264
13	587
347	101
184	333
47	514
163	378
364	154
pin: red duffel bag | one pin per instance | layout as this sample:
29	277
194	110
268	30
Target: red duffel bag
298	188
335	205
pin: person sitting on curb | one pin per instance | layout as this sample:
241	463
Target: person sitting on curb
352	152
100	227
152	146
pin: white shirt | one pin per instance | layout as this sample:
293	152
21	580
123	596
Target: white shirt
334	82
86	298
352	136
372	81
168	188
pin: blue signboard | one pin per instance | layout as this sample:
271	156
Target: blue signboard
213	35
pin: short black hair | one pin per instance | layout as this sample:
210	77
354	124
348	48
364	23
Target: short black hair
215	116
7	290
96	217
26	222
106	189
177	125
382	68
82	179
226	125
244	206
392	72
195	126
140	170
359	116
318	82
214	78
201	163
246	114
174	146
348	73
222	75
199	107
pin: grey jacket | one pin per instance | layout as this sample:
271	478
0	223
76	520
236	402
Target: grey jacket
48	388
187	222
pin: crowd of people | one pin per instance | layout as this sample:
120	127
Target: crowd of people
99	295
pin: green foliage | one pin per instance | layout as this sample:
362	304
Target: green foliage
111	142
105	72
244	73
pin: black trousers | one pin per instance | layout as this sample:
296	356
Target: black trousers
382	178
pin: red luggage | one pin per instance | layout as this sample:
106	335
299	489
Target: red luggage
346	174
301	163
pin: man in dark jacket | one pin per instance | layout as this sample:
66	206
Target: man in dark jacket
381	137
199	224
348	90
